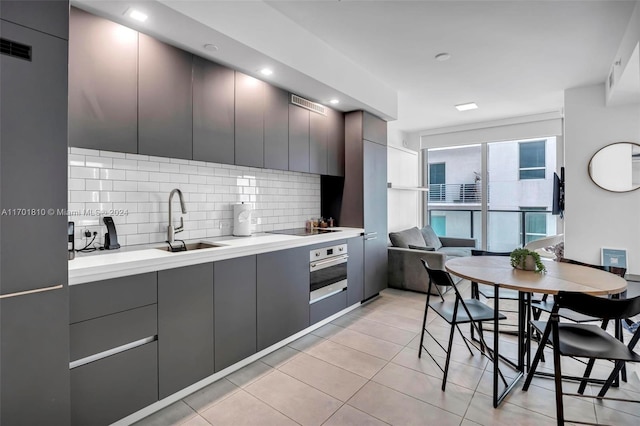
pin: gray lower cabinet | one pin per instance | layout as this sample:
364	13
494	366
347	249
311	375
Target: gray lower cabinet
164	100
249	124
213	112
34	328
355	271
276	128
234	310
335	143
34	359
282	294
298	139
318	149
185	327
111	388
103	94
327	307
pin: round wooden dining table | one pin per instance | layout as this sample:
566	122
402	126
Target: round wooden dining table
498	272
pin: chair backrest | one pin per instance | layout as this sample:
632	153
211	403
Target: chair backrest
489	253
599	307
437	276
621	272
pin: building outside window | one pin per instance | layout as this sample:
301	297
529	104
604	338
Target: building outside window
532	160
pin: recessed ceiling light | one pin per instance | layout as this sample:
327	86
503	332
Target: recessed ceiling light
444	56
266	71
136	14
334	101
466	107
211	47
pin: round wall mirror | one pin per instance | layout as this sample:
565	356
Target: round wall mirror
616	167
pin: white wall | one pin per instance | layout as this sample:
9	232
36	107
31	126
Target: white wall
403	168
596	218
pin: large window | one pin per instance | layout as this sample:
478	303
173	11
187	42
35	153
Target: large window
532	160
516	197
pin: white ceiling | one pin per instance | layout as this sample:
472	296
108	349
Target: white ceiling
512	58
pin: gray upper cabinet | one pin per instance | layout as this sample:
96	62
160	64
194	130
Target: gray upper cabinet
235	310
374	129
48	16
213	112
185	327
282	294
249	143
335	143
276	128
298	139
318	143
164	100
103	70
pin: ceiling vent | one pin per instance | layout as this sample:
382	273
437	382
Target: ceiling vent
311	106
17	50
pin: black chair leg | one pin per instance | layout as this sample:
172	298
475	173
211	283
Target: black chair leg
587	373
557	374
537	357
446	363
611	379
424	325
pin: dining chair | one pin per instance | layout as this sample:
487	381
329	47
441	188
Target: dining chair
459	311
546	305
586	340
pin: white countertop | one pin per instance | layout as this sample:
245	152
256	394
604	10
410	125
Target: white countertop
137	260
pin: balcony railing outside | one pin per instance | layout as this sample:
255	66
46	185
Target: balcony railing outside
455	193
505	226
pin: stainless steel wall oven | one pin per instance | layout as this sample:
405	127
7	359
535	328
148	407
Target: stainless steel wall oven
328	271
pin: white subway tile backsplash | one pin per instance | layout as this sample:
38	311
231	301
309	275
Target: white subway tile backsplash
112	174
134	189
121	163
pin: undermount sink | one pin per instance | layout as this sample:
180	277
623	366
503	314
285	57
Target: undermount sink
178	247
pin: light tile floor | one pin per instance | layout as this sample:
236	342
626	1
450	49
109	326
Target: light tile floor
363	369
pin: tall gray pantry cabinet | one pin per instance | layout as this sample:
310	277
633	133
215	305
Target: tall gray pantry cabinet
34	327
364	198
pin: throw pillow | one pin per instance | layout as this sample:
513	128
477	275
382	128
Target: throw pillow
411	246
431	238
408	236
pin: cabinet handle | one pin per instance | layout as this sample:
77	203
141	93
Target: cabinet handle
371	236
37	290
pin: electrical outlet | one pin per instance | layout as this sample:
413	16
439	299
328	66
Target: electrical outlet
87	233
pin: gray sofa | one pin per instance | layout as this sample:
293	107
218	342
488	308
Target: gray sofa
409	246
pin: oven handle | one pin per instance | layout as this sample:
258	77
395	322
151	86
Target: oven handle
322	264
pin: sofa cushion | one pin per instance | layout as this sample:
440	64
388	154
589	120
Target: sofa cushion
411	246
456	251
431	238
411	236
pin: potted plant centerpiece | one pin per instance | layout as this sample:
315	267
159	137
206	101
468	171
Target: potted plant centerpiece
527	260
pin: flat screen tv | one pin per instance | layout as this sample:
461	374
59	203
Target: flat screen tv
558	193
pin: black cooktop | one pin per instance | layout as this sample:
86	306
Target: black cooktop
301	232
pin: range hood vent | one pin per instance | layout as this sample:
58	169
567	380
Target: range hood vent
311	106
17	50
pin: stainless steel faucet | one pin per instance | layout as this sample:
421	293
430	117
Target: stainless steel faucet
171	231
